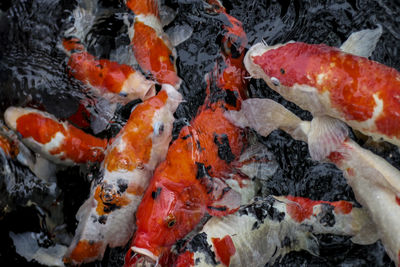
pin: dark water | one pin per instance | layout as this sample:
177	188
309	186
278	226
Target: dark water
33	73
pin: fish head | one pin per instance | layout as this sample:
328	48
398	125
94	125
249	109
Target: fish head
275	64
168	212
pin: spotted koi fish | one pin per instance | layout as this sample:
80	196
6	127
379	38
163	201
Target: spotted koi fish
268	228
376	183
107	217
192	180
58	141
340	83
116	82
151	46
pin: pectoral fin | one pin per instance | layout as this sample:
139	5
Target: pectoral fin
362	43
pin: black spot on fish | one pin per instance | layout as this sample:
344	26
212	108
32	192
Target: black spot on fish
197	261
282	71
110	207
186	137
94	218
286	242
276	249
122	185
217	208
198	146
202	170
199	244
224	149
327	218
226	96
103	219
156	193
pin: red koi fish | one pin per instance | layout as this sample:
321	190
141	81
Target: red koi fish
334	82
58	141
107	217
190	182
114	81
376	183
268	228
152	49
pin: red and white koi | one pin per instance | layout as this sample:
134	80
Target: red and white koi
151	46
114	81
268	228
57	141
340	83
107	217
192	179
375	182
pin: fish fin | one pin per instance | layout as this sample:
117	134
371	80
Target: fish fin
265	116
368	233
44	169
326	135
256	162
167	14
224	200
83	18
179	34
362	43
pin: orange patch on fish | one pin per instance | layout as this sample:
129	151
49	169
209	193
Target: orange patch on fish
302	208
140	7
135	154
108	199
224	249
76	145
84	250
153	54
8	147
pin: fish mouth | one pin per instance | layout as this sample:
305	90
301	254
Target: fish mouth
145	252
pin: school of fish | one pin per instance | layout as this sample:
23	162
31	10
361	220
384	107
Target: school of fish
195	200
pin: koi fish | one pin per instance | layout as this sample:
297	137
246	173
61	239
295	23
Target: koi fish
191	181
57	141
340	83
107	217
116	82
151	46
376	183
268	228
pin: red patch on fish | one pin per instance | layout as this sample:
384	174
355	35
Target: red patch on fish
398	200
185	259
352	81
303	207
84	250
76	145
336	157
224	248
153	54
140	7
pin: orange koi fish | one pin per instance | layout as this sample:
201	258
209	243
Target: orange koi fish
340	83
268	228
191	181
152	48
114	81
376	183
107	217
58	141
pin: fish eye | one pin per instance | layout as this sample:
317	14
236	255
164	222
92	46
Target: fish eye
108	193
158	128
170	220
275	81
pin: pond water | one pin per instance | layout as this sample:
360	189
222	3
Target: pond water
33	73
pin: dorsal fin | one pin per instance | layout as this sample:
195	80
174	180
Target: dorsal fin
362	43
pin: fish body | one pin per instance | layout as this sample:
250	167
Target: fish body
375	182
192	179
114	81
330	81
151	46
268	228
57	141
107	217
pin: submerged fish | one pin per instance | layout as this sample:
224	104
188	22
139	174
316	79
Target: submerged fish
192	179
107	217
151	46
375	182
270	227
114	81
340	83
57	141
